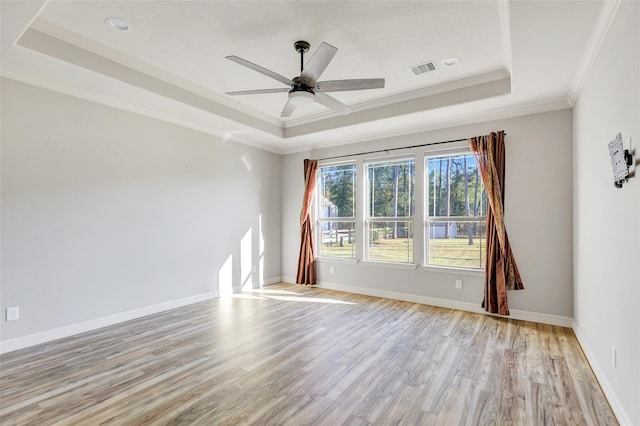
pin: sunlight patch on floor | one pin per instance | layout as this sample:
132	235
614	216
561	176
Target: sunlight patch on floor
285	295
271	291
310	300
247	296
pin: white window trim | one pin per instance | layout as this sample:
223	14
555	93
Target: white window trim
395	265
474	272
318	219
460	148
366	219
420	216
329	259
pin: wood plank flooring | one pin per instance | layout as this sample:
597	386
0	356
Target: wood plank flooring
297	355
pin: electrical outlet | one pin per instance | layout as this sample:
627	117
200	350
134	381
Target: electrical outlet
254	270
13	313
332	270
458	284
613	356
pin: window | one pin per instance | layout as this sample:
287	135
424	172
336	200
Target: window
455	212
390	210
378	198
336	210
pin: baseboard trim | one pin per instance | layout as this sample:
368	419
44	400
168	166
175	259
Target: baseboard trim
82	327
447	303
70	330
290	280
272	281
619	411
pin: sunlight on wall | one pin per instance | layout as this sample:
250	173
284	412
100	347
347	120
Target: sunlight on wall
225	277
246	261
247	162
260	252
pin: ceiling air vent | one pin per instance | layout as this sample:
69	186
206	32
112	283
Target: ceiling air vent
424	68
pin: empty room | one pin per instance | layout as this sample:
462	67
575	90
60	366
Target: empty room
320	212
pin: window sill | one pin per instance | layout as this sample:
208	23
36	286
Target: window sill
326	259
407	266
453	270
410	266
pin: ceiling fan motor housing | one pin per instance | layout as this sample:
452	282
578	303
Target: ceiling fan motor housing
303	84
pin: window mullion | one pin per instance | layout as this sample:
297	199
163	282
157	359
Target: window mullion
361	209
455	218
418	215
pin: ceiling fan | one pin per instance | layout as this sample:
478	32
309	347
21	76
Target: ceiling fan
306	88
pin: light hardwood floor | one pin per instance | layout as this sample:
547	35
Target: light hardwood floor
298	355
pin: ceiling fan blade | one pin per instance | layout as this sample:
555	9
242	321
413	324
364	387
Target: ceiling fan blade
319	61
333	103
258	91
345	85
260	69
288	109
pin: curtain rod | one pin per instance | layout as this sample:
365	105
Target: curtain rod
394	149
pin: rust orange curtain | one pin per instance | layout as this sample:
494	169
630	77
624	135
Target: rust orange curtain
307	258
501	272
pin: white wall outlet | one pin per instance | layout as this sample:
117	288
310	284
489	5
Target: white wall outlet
458	284
332	270
13	313
254	270
613	356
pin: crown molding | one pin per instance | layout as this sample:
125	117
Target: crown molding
101	100
426	92
77	56
471	118
600	31
80	42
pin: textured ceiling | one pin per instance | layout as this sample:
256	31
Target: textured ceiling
514	55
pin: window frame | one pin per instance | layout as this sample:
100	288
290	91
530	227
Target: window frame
320	220
459	150
420	155
368	219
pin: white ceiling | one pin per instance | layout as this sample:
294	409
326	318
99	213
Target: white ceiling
515	57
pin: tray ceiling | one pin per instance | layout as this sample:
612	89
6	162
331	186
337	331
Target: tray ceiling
513	56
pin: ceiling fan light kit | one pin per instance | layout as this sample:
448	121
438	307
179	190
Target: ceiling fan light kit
301	97
306	89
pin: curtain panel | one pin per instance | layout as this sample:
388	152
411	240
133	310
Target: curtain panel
307	258
501	271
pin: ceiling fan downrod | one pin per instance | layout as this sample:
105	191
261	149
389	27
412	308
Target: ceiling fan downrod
301	47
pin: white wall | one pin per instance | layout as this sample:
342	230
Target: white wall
105	211
606	219
537	213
